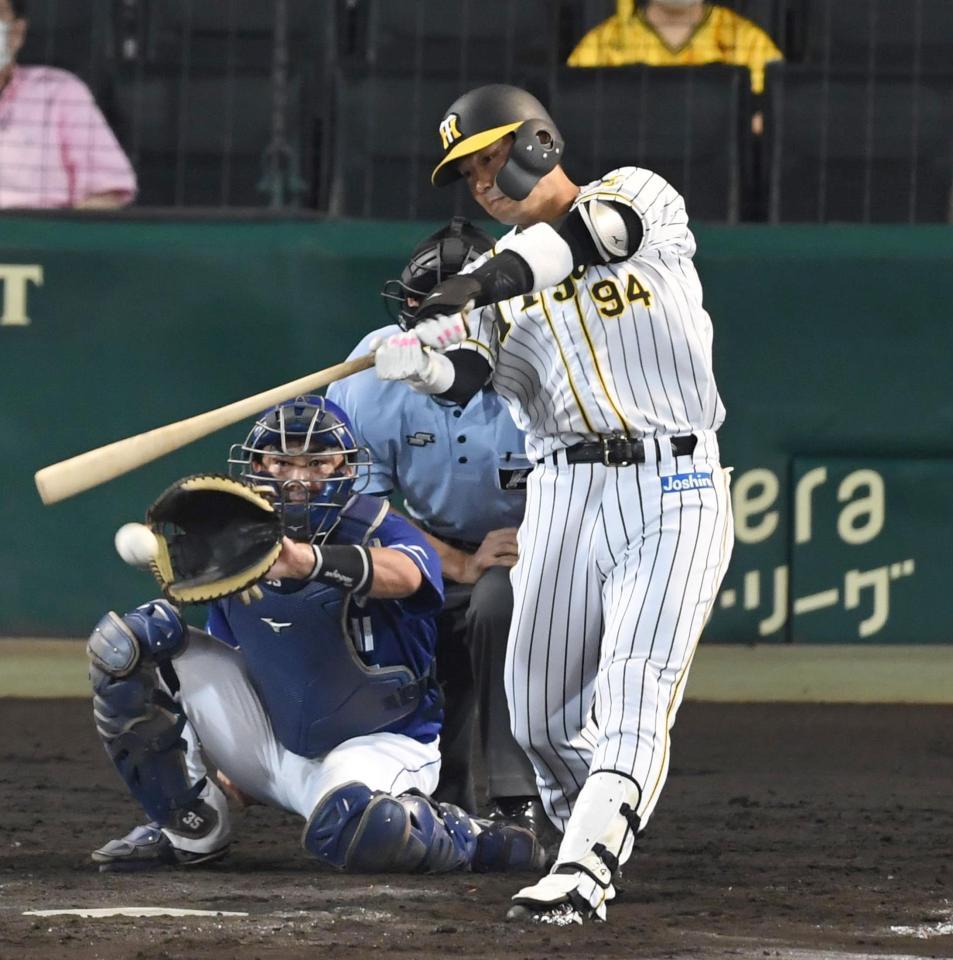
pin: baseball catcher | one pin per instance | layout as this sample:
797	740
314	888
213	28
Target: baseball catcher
316	695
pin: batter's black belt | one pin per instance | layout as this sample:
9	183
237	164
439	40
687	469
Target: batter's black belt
623	451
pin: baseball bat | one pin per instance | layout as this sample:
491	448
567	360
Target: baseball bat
86	470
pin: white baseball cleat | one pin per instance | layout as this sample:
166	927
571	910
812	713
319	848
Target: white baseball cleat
569	895
562	915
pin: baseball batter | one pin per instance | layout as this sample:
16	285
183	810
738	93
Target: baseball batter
318	697
588	319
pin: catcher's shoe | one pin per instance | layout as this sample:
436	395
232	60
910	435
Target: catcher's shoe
569	895
148	848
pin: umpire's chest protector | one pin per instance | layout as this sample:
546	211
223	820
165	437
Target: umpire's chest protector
315	688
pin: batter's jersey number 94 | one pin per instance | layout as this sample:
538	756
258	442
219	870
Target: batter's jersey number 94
610	296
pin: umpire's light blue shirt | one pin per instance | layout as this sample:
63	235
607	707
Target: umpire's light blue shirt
461	470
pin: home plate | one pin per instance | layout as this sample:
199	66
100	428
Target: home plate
131	912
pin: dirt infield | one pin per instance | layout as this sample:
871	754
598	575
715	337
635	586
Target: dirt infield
792	831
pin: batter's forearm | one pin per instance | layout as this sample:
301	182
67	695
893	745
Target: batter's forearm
533	260
542	256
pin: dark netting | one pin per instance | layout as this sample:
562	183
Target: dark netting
332	106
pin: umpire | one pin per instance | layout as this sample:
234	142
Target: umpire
462	474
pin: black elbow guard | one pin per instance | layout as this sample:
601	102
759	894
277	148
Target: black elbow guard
502	277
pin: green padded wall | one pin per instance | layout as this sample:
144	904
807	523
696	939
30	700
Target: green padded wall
832	344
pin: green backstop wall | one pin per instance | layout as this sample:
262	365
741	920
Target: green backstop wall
832	350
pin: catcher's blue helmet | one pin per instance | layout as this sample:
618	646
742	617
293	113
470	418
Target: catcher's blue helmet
305	425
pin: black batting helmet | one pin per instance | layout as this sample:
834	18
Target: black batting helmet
487	113
435	258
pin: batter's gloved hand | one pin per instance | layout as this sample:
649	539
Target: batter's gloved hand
440	320
402	357
216	536
443	332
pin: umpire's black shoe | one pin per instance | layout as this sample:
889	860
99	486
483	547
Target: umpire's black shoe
505	847
148	848
527	812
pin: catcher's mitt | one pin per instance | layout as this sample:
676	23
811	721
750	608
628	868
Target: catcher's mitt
216	536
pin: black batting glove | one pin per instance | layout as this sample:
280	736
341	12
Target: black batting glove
455	295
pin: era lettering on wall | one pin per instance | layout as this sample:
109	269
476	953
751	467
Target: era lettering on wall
15	280
755	493
860	519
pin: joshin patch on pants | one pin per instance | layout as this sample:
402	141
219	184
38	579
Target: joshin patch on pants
680	482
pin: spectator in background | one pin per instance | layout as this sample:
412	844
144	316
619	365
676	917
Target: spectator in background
673	33
56	149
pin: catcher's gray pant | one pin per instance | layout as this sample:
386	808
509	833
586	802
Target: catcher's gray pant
472	630
616	577
229	727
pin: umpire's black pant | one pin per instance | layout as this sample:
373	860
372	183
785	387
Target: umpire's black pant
472	630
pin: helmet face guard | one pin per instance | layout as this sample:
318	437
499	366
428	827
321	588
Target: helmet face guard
487	114
306	426
536	150
439	256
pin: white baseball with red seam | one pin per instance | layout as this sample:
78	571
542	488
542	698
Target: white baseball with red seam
136	544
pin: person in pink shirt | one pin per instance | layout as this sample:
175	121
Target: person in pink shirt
56	148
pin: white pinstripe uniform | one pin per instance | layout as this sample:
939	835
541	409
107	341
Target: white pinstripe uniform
619	565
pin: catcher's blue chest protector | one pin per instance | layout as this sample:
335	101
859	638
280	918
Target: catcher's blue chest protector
302	659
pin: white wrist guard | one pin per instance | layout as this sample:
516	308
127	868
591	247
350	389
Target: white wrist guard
436	377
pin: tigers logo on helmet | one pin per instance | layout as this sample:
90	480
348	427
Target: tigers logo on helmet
449	130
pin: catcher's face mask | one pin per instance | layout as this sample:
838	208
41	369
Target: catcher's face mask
304	455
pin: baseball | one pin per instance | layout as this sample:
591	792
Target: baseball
136	544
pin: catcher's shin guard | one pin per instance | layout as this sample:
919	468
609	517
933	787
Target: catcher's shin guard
361	830
139	723
153	631
599	839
